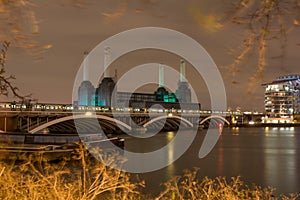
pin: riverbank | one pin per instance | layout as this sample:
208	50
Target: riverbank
267	125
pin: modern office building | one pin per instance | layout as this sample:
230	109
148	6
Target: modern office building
282	98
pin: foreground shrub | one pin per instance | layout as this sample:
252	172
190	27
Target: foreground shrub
190	187
83	178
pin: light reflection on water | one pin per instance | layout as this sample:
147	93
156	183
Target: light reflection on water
267	156
279	131
280	156
171	168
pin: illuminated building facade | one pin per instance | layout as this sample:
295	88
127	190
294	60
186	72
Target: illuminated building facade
282	97
106	94
86	94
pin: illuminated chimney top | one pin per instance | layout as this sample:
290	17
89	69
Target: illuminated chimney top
182	70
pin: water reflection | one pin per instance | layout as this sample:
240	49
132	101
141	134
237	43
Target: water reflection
169	136
235	131
265	156
221	157
279	131
280	157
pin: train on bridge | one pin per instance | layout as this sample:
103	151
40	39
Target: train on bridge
28	106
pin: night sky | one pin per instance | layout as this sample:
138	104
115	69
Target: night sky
71	30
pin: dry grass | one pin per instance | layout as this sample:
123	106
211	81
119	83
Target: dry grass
190	187
86	179
83	178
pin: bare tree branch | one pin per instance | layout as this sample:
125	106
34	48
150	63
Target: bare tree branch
266	20
6	86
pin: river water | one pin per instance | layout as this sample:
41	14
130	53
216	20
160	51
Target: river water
267	156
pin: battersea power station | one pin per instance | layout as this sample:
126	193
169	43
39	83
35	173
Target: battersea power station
105	94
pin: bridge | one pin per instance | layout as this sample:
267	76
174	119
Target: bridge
89	121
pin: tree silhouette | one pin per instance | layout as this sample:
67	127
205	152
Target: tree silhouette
6	84
265	21
18	24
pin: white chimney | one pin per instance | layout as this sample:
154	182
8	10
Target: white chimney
107	57
85	66
182	70
161	75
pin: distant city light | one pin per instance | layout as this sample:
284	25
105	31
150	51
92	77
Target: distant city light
251	122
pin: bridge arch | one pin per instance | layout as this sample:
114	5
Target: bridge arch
168	117
214	117
71	117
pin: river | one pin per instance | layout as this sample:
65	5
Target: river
265	156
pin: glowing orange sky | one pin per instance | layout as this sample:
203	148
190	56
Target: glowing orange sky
71	31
